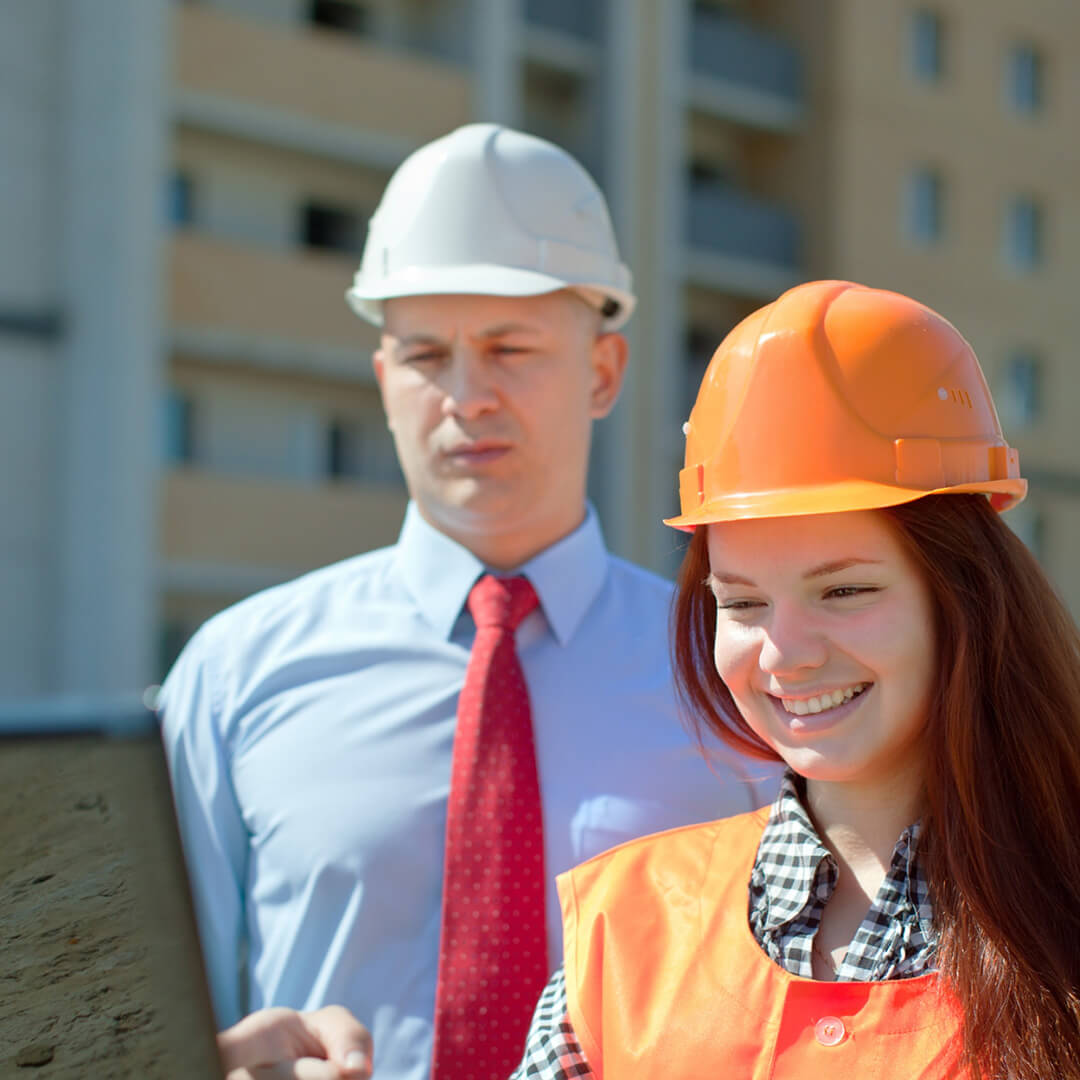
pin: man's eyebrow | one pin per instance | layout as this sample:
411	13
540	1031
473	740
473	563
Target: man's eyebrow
419	339
833	566
508	328
501	330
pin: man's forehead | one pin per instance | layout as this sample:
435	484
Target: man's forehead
445	316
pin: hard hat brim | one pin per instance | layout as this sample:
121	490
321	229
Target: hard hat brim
479	280
834	499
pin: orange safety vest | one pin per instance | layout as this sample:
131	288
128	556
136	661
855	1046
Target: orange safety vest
665	979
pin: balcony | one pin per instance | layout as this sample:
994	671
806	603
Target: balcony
740	243
214	525
562	34
576	18
271	308
744	73
312	86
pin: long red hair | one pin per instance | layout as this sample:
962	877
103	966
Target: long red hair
1001	832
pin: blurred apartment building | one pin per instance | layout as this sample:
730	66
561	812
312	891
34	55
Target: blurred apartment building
187	410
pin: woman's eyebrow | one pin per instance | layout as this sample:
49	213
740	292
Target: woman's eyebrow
833	566
724	578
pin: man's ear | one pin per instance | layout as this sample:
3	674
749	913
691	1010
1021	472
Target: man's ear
378	365
609	355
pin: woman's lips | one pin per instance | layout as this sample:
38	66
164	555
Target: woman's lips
820	721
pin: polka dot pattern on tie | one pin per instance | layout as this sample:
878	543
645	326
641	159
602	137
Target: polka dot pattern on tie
493	960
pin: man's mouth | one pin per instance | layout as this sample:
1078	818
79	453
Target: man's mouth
476	452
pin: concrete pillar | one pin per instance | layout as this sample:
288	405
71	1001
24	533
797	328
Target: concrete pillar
666	342
117	80
644	123
496	61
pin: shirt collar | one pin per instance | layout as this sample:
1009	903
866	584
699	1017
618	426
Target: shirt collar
439	572
795	870
793	867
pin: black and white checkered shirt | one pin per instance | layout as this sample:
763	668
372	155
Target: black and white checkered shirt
794	876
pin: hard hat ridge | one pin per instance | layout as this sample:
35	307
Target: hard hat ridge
490	210
840	397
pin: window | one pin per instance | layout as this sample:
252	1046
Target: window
1024	79
1022	237
350	18
173	635
178	428
710	173
361	449
180	198
333	228
926	44
699	344
1021	396
924	210
1030	525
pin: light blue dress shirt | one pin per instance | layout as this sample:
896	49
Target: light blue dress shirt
310	729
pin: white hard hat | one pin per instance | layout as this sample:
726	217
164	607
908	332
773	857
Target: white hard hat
490	210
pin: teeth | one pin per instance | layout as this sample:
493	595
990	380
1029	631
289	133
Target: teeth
802	706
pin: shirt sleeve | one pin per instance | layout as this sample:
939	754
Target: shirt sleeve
552	1051
212	829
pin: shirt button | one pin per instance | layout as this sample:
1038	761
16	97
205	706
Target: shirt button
829	1030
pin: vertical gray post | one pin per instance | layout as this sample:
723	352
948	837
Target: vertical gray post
615	490
666	343
497	60
117	70
644	121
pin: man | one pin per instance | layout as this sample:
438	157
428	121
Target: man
324	799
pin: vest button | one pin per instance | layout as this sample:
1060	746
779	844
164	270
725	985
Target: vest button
829	1030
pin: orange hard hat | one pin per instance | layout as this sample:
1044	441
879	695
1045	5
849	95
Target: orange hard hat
841	397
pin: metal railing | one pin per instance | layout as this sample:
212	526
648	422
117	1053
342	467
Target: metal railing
734	223
727	48
579	18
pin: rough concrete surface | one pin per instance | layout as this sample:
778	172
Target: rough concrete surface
85	985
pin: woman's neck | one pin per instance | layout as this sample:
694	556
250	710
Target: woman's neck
860	825
861	822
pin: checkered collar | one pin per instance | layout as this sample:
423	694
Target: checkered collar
795	874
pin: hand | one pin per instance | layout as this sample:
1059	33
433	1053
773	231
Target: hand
283	1044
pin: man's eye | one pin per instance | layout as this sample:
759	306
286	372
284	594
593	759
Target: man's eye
422	357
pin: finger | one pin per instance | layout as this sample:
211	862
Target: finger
300	1069
344	1039
267	1036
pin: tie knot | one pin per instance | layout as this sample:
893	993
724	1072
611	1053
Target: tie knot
501	602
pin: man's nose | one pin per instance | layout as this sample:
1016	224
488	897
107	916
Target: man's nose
468	386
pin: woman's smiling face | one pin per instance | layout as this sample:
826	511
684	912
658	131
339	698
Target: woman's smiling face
825	639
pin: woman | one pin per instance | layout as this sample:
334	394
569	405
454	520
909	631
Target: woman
852	604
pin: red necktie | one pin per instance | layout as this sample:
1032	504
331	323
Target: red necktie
493	960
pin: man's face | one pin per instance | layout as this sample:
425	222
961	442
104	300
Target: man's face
490	400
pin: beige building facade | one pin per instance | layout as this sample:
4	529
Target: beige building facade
188	399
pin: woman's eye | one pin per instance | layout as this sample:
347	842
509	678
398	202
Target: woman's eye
737	605
843	591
